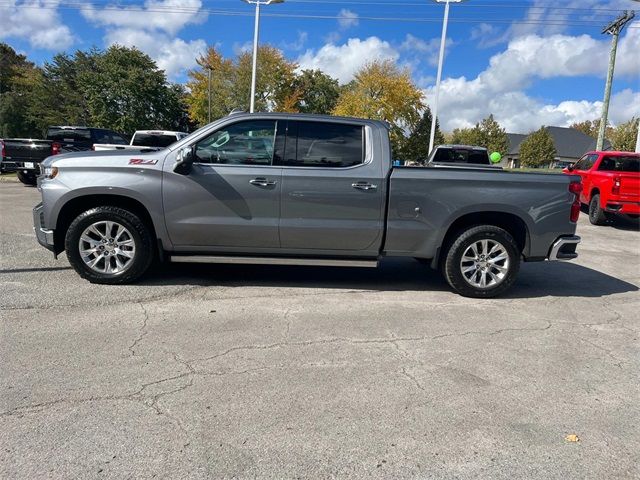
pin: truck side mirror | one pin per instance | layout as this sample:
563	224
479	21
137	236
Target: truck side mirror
571	168
184	160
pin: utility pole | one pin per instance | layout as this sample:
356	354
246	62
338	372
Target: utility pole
614	28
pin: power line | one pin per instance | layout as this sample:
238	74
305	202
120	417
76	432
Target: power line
187	10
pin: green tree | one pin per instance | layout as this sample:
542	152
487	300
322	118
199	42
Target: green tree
19	78
231	84
624	136
487	133
537	150
416	147
127	92
492	136
465	136
222	84
315	92
382	91
274	80
588	127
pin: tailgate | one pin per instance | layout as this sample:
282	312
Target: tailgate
630	185
26	150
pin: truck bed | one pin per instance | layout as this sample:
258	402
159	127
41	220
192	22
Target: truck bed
425	201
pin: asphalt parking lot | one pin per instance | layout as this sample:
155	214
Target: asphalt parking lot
272	372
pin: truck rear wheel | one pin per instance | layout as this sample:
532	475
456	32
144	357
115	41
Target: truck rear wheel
597	216
109	245
482	262
26	178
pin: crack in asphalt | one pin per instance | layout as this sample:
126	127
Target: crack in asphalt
356	341
413	379
143	330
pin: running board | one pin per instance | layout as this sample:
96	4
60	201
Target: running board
321	262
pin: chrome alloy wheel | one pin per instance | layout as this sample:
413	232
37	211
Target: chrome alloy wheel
485	263
107	247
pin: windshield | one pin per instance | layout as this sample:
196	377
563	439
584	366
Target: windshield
461	155
153	140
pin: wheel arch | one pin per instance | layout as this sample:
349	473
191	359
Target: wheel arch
75	206
509	222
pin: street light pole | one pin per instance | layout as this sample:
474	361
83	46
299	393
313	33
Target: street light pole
256	34
443	39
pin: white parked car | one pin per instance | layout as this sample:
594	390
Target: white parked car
145	139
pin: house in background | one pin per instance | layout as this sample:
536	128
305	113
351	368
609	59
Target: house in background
570	145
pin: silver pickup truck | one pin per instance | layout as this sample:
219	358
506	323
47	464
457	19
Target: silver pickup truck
300	190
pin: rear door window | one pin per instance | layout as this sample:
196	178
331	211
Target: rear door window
324	144
620	164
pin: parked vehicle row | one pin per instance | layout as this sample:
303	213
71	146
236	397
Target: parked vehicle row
24	156
303	190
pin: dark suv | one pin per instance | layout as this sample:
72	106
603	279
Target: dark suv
74	139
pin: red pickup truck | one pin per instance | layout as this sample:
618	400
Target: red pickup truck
610	184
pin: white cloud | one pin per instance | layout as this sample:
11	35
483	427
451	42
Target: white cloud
430	49
297	44
151	29
152	16
347	19
546	18
240	48
499	89
343	61
173	55
29	20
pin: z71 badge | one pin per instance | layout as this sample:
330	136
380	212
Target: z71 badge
142	161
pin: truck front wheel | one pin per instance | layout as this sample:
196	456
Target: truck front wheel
482	262
109	245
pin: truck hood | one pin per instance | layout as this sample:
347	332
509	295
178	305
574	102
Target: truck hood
107	158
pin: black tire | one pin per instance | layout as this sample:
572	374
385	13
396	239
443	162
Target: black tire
27	179
452	268
597	216
140	233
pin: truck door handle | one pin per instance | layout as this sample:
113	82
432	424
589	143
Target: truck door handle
364	186
262	182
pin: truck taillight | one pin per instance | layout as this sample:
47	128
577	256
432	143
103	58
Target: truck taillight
55	148
616	186
575	188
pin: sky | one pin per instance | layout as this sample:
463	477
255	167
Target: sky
530	63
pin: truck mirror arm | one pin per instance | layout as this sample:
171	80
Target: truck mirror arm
184	162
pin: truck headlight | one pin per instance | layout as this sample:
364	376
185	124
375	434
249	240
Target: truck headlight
50	172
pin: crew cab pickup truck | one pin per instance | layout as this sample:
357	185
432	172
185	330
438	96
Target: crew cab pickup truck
303	190
24	155
144	139
611	184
